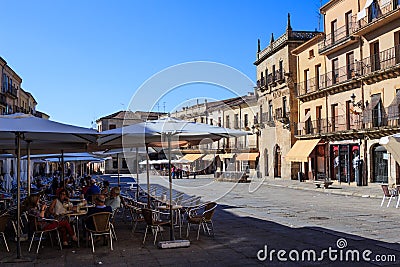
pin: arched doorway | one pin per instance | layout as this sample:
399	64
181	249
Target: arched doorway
277	161
379	164
266	165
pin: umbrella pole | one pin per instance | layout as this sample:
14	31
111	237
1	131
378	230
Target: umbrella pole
148	177
118	169
28	168
18	136
137	174
171	230
62	168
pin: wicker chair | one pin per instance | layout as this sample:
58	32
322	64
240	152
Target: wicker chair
388	194
136	216
101	226
37	225
152	219
4	219
202	216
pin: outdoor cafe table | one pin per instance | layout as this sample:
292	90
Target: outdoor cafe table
177	210
76	216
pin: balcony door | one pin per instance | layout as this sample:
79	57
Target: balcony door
349	17
335	71
397	46
318	115
373	11
318	79
375	59
334	118
350	65
333	31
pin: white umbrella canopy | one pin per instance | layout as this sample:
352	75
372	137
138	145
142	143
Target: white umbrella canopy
43	135
40	135
392	144
166	132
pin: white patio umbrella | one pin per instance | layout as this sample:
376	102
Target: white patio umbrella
167	132
392	144
41	135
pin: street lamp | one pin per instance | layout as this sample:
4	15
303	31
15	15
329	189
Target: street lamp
358	104
361	106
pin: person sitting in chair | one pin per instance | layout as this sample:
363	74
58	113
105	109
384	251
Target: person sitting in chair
114	201
100	206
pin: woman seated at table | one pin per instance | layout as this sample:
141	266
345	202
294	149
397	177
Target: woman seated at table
32	206
114	201
59	205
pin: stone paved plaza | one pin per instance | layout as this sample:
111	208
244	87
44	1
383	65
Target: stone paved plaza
277	214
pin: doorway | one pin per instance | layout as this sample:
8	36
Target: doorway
278	162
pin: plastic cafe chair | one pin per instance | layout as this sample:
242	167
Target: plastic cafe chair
202	216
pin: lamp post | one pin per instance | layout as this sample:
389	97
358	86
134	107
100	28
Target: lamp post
361	106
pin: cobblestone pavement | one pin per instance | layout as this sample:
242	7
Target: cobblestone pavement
274	214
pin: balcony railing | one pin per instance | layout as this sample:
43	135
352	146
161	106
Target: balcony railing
336	37
334	124
383	60
10	90
326	80
369	119
376	11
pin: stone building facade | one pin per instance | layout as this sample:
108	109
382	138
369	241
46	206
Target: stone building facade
349	93
276	76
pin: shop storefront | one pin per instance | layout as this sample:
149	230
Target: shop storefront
345	163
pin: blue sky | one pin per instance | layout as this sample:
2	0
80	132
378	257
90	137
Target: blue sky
83	59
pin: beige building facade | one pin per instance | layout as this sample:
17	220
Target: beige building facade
277	102
348	93
13	99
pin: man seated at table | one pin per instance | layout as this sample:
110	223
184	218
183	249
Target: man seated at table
100	206
92	190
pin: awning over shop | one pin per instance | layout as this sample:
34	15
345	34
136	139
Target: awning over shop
247	157
191	157
301	150
209	157
226	156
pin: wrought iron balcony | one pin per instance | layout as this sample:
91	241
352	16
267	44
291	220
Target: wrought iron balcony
326	80
383	60
336	37
333	125
369	119
362	69
12	91
377	11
